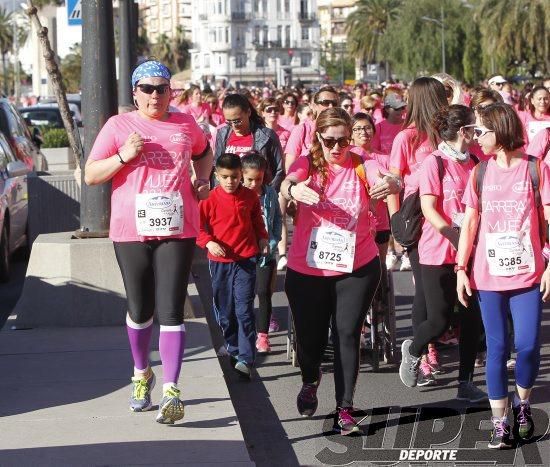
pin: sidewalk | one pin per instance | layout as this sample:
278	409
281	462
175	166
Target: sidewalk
65	402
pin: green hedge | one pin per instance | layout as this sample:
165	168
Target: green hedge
54	137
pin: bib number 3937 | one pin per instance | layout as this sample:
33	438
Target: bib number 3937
509	253
331	249
159	214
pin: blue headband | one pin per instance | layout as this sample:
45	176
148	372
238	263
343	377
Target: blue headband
150	69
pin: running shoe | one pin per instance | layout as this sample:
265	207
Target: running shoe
468	391
273	325
281	264
243	369
405	263
262	343
523	421
345	423
171	407
433	360
140	400
408	370
500	435
391	261
449	337
307	398
480	360
511	363
425	375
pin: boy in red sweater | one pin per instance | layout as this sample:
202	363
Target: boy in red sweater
233	231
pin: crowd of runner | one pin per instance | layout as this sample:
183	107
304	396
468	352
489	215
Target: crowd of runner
229	170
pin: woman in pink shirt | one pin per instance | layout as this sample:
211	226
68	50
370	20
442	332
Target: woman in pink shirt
537	116
195	107
289	117
441	201
148	156
333	265
505	268
270	110
410	147
481	98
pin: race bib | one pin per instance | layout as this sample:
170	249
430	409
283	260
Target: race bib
509	253
534	127
159	214
332	249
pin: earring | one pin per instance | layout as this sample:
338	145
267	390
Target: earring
135	103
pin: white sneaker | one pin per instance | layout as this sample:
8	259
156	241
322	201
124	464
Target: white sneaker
405	263
281	265
511	363
391	261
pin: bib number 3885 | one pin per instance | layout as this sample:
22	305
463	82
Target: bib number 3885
159	214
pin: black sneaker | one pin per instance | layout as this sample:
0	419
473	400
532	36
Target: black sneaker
307	402
345	423
523	421
500	435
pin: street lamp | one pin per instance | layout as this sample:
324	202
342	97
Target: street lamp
441	24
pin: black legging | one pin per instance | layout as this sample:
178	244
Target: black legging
264	289
419	301
315	302
440	294
155	275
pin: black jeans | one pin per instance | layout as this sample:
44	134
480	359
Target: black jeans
440	294
341	300
264	290
155	275
419	301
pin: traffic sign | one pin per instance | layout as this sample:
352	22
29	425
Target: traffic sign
74	12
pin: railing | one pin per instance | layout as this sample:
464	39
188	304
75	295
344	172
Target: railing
306	16
240	16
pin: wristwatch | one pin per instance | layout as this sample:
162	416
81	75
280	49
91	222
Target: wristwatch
460	268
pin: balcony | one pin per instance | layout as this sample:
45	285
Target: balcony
306	17
203	17
268	45
240	16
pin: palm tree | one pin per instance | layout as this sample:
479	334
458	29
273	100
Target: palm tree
367	23
181	49
6	38
162	50
516	31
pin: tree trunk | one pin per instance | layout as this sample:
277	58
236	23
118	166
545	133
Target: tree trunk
5	73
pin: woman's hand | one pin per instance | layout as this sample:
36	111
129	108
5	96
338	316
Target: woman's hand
304	194
386	185
463	289
132	147
202	188
545	285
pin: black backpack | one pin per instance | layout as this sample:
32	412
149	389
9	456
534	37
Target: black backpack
406	224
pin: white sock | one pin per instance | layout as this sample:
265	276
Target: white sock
167	386
518	401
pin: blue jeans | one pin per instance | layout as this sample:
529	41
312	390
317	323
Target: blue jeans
233	292
525	306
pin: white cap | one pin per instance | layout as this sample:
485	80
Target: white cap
498	79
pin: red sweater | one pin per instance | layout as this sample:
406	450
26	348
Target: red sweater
234	220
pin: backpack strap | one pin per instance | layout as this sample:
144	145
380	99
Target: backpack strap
440	168
359	169
479	175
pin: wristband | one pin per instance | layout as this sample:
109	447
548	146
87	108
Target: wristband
460	268
546	251
121	160
292	184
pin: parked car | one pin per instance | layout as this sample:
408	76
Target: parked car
23	143
42	116
74	100
13	205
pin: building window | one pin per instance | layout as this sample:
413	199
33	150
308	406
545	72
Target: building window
287	6
220	7
206	60
287	36
227	35
257	34
181	9
256	5
154	24
279	34
240	60
166	10
196	61
305	59
305	34
219	59
166	25
152	2
266	35
261	60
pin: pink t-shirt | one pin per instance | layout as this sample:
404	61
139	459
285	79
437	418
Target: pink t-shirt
540	146
406	156
162	166
434	248
377	115
384	136
532	125
345	198
288	123
508	202
373	163
201	111
283	135
301	138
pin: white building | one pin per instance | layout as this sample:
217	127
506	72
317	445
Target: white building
164	17
254	41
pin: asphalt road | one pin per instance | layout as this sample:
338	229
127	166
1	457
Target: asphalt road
396	418
11	290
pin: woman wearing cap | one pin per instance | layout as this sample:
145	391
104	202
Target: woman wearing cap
149	155
496	83
537	115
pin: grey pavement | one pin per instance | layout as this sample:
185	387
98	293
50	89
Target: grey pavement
65	402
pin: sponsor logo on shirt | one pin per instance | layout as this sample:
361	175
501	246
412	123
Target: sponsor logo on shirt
521	187
508	242
492	187
179	138
159	202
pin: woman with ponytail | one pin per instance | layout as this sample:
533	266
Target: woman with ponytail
333	265
440	199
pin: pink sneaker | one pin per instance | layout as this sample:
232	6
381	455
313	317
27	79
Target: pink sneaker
262	343
433	360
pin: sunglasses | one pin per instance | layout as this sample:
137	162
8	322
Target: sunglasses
343	142
235	122
327	103
347	106
290	102
271	110
360	129
480	131
150	88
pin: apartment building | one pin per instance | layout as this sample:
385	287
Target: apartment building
164	16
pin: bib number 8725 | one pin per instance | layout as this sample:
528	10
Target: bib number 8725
329	256
514	261
159	221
